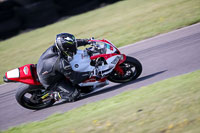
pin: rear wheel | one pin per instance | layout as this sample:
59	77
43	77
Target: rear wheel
29	97
132	69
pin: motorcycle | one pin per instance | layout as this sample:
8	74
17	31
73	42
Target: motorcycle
102	59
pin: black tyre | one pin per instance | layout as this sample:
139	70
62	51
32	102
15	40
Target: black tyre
72	7
38	14
7	9
28	96
9	27
26	2
7	14
132	69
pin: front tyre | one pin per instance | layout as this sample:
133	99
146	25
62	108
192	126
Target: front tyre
29	96
132	69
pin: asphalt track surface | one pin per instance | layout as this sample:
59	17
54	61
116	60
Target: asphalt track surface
164	56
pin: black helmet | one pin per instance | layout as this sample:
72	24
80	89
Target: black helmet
66	44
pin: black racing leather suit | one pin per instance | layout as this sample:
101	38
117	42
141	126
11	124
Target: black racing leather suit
53	68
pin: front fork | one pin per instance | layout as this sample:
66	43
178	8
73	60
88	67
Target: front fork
118	68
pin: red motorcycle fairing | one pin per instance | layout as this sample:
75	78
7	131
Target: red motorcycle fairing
93	79
25	74
106	41
106	56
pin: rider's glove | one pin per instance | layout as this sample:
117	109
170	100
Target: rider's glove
82	42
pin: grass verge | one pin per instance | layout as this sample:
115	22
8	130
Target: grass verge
170	105
122	23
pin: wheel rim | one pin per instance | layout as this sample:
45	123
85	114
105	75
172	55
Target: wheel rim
31	98
129	69
129	72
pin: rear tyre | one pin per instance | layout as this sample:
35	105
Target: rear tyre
132	69
28	96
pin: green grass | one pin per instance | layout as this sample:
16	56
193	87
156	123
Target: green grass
171	105
122	23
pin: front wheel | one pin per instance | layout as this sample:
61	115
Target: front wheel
132	69
29	96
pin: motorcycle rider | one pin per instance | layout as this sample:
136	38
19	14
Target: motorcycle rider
53	67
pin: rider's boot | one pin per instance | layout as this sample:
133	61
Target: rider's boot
65	90
56	96
63	95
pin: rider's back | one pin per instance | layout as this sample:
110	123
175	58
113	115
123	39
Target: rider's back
46	67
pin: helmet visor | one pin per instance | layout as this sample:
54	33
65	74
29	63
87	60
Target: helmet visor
71	49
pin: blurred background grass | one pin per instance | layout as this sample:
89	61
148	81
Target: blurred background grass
122	23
